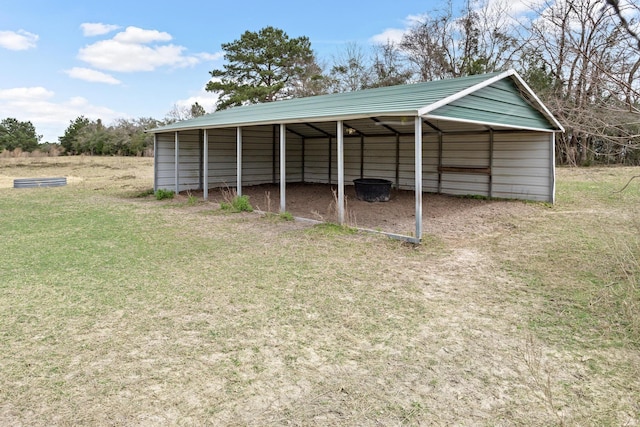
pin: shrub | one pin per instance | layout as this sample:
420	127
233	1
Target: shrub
191	199
286	216
237	204
162	194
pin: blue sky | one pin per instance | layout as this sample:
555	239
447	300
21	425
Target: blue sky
129	59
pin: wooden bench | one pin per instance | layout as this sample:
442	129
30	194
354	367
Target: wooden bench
39	182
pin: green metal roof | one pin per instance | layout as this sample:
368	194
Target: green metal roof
496	98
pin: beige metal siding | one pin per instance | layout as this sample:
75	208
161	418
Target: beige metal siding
430	143
316	158
257	155
522	166
165	169
465	151
222	158
189	171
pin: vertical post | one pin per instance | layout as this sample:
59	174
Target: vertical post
490	163
239	161
552	166
155	162
176	144
340	159
205	165
439	162
418	177
283	167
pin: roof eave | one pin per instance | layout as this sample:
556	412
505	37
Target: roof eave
332	118
490	124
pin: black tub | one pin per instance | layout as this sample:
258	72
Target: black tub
372	189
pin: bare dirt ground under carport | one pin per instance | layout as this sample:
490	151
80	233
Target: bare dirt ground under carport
442	215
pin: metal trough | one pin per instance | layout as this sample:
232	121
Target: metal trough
372	189
39	182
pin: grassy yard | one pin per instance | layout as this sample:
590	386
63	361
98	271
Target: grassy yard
119	309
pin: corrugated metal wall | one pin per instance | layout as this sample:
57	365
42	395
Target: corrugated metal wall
522	166
465	151
521	163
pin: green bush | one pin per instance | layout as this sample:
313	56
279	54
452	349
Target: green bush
241	204
162	194
238	204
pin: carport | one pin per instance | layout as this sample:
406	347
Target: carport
485	135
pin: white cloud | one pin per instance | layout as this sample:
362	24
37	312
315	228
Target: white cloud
49	116
393	35
137	35
132	50
93	76
210	56
206	99
18	40
90	29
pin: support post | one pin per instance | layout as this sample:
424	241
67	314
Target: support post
418	177
552	166
176	171
340	159
205	165
283	167
239	161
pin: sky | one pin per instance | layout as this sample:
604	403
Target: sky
129	59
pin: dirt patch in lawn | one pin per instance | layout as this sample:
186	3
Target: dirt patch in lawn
442	215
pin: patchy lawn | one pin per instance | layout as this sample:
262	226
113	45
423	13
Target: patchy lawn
118	309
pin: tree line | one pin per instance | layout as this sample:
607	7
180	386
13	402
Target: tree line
581	57
123	137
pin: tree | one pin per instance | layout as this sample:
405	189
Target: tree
70	140
351	70
595	67
16	134
179	113
261	67
197	110
481	39
388	68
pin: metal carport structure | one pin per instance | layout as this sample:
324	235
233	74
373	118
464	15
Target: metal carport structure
485	134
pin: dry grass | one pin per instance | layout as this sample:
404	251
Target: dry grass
121	310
